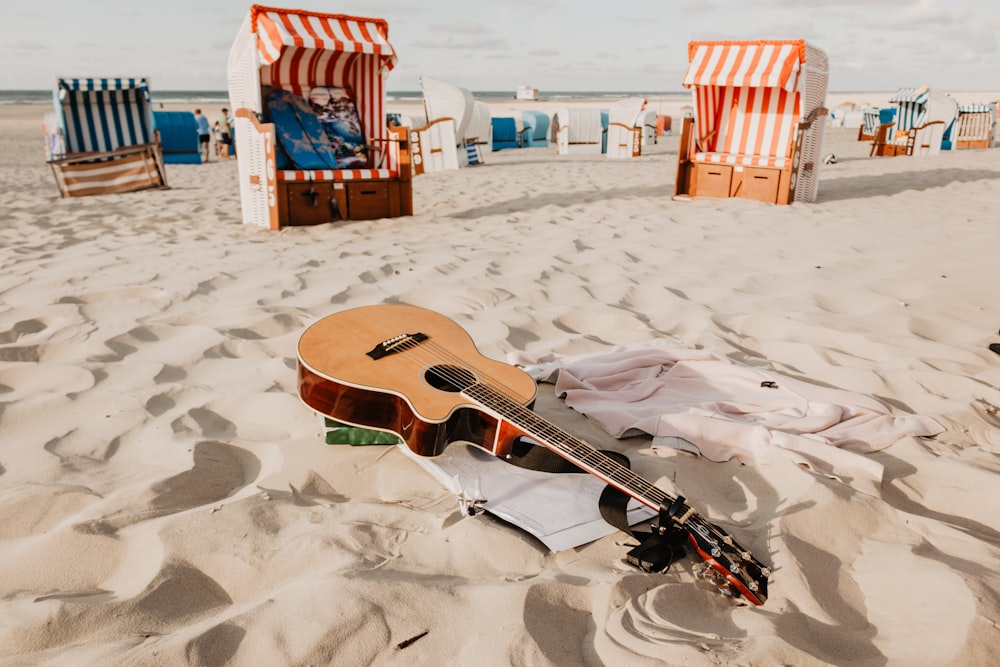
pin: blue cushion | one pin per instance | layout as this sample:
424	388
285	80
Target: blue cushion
303	142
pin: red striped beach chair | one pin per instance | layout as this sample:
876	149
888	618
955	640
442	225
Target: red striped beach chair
102	138
759	121
297	51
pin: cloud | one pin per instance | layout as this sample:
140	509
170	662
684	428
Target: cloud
461	27
24	46
452	44
798	4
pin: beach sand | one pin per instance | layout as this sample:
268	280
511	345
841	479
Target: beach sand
165	498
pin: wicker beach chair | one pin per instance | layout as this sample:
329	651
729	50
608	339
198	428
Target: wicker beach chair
535	129
505	134
179	136
291	62
974	128
578	131
471	120
759	121
624	138
102	138
869	123
922	124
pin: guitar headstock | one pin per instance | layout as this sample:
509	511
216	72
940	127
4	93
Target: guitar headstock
739	573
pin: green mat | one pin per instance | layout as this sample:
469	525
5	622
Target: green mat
345	434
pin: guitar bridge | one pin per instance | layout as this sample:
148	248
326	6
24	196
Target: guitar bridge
394	344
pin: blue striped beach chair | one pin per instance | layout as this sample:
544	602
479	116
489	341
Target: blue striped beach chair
108	140
925	120
869	123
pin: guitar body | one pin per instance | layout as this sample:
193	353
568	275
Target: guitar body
416	373
401	393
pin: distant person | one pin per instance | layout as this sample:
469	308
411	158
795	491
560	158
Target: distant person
222	147
204	132
217	135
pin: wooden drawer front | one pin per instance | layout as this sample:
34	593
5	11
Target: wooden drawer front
368	200
761	184
713	180
315	203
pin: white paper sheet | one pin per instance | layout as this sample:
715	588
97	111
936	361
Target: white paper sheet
561	509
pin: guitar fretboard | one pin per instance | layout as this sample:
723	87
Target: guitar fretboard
571	448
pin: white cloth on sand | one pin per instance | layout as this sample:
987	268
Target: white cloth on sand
724	408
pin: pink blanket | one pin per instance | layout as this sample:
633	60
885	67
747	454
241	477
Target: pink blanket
725	409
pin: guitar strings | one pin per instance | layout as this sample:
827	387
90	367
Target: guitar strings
450	367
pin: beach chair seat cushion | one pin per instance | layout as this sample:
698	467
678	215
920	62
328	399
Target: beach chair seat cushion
306	175
743	160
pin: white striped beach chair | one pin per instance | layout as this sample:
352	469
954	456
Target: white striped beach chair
625	128
869	123
296	51
974	128
102	138
471	118
925	119
578	131
759	121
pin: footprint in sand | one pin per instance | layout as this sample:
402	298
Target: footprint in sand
219	470
22	328
682	614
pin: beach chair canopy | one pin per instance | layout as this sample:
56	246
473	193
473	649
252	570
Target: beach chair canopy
756	64
103	114
975	108
297	50
750	95
303	47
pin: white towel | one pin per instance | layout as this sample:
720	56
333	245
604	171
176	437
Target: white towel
726	409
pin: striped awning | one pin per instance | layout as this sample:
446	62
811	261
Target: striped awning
104	114
104	84
768	64
975	108
912	95
280	29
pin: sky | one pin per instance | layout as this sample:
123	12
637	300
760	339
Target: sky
552	45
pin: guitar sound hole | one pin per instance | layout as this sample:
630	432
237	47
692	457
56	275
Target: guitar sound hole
449	378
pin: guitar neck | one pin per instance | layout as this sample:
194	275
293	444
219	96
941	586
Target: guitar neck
571	448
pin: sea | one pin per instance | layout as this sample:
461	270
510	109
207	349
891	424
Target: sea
221	97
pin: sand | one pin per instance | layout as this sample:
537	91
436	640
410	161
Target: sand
165	498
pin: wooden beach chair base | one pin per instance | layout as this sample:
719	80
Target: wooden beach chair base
107	172
766	184
774	185
318	202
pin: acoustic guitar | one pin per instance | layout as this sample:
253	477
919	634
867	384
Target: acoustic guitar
418	374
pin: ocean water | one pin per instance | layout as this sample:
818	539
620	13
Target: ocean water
221	97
